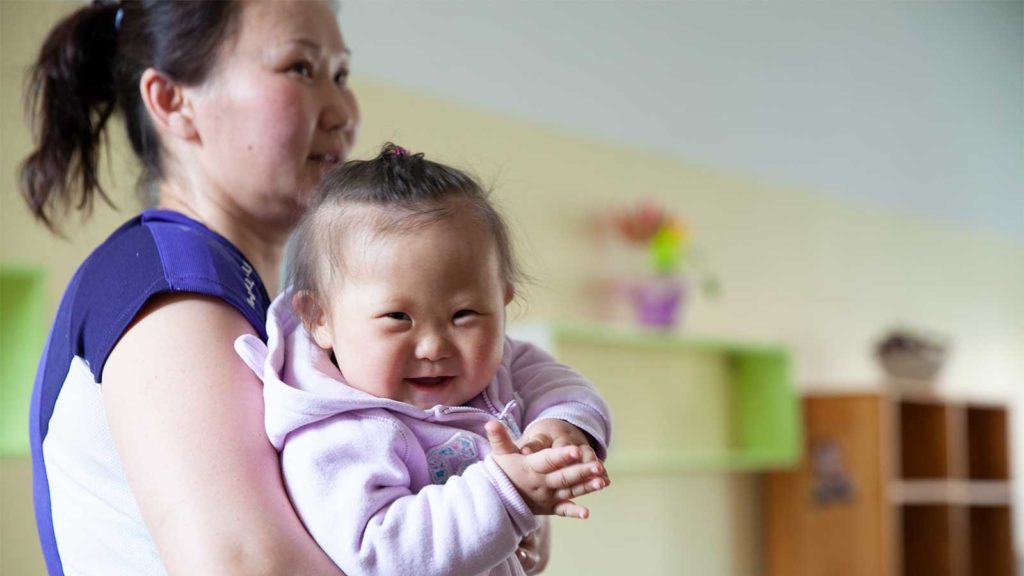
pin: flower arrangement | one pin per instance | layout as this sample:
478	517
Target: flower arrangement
666	240
663	235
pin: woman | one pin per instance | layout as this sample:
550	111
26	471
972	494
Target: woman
147	434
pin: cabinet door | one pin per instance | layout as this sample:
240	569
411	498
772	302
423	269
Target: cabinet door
831	515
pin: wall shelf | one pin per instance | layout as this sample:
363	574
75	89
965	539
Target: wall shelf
683	404
22	335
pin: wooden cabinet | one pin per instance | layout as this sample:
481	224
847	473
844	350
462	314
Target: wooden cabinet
893	486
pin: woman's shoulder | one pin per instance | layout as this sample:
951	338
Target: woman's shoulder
153	254
176	254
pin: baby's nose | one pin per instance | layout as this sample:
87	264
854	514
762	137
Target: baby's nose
433	347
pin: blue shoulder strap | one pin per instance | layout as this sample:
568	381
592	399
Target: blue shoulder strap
164	253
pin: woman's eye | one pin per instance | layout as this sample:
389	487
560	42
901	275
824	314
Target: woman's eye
341	78
304	69
397	316
464	314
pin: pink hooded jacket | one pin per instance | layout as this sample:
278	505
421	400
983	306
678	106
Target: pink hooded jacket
387	488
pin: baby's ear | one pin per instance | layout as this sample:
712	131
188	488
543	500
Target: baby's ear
314	318
510	293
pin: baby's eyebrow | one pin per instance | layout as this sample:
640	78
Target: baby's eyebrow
345	52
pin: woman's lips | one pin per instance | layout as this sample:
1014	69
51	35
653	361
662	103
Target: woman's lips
327	160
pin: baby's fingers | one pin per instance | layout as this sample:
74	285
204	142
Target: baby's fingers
498	436
570	509
571	476
534	444
551	459
581	489
588	454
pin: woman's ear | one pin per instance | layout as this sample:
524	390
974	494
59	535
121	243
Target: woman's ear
314	317
168	106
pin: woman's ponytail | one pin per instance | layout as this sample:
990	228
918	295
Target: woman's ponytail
70	95
90	66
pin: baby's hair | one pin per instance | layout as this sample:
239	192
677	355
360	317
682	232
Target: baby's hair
413	191
88	68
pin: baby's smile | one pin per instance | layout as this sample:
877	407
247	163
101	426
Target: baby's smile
429	381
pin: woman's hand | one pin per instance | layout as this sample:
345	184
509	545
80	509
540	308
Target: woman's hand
535	550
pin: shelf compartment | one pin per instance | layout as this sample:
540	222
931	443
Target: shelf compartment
933	540
987	443
924	440
991	541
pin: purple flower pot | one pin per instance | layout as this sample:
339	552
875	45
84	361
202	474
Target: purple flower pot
657	302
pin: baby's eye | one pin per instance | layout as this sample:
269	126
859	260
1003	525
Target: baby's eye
302	68
402	316
464	313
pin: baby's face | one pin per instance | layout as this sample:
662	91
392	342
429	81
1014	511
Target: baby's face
419	317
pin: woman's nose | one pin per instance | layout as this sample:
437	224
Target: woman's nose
433	347
340	112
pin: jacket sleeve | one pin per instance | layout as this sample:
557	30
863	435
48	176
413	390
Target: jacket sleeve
550	389
352	493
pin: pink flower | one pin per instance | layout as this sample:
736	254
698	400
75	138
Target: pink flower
641	223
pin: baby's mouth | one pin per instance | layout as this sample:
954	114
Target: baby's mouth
432	381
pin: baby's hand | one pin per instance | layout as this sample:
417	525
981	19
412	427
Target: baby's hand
553	433
549	478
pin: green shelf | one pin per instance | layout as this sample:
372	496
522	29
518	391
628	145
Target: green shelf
681	403
22	335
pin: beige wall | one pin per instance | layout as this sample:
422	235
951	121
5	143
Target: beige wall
23	25
827	278
822	277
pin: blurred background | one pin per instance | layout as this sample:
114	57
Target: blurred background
845	169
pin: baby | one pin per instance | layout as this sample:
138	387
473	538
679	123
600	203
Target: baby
392	392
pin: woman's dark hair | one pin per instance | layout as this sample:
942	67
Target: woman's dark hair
414	191
88	68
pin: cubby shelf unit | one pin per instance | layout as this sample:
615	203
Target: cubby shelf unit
931	490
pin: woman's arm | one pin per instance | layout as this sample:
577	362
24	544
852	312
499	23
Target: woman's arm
186	415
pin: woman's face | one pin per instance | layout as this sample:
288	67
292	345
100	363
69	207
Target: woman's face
275	113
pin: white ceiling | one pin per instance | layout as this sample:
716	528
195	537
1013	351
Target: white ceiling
912	106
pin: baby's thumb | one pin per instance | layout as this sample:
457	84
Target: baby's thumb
498	436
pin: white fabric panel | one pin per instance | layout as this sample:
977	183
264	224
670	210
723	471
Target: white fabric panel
96	521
